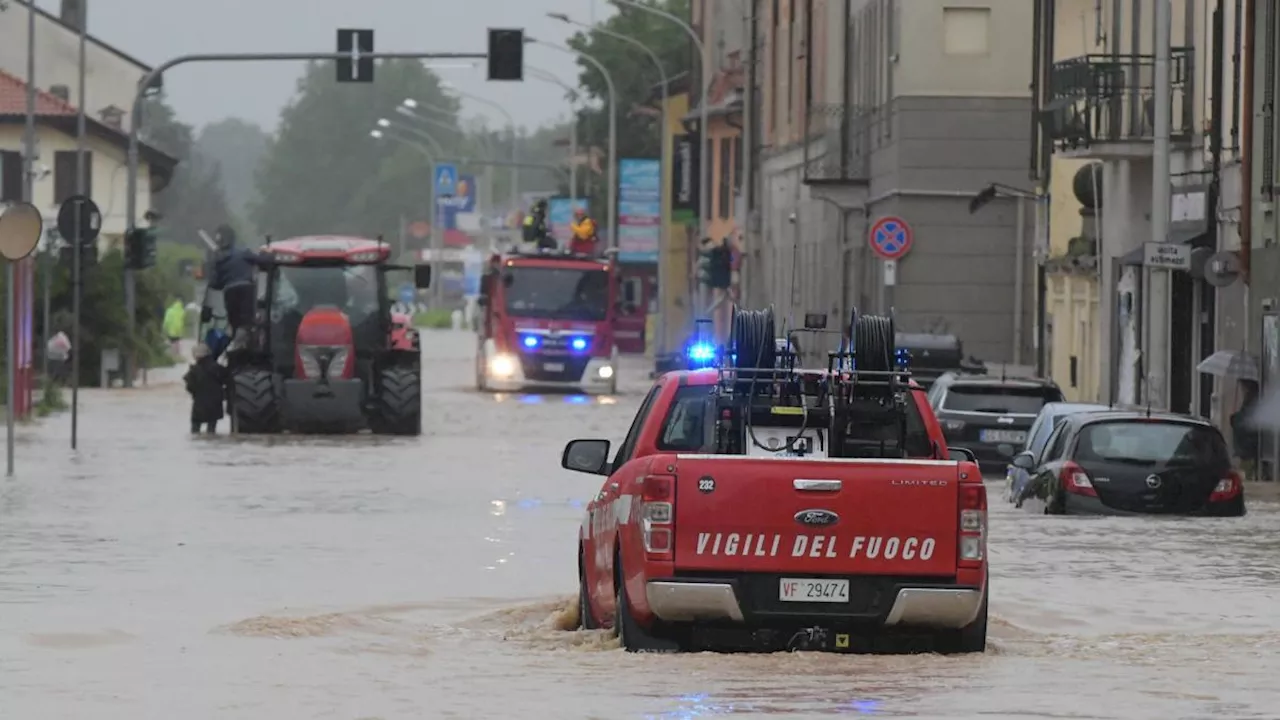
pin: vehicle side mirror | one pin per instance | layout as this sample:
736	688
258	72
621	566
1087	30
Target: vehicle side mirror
960	454
587	456
1024	460
422	276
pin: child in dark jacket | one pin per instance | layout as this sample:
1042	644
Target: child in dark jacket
206	381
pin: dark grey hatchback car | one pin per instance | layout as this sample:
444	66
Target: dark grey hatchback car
1131	462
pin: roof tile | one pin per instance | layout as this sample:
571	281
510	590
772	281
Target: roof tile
13	99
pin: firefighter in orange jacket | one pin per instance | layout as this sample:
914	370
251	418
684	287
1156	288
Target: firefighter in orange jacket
584	233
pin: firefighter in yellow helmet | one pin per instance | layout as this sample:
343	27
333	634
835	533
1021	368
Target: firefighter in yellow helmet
585	235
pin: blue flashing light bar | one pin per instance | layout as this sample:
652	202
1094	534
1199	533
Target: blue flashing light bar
579	344
701	354
530	341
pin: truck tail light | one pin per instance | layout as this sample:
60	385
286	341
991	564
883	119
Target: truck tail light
1076	481
657	516
972	533
1228	488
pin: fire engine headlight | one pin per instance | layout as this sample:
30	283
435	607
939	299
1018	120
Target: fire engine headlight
606	371
502	366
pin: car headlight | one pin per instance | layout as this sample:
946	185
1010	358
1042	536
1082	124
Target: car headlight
606	371
502	366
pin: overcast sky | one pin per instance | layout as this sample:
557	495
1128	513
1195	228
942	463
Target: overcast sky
155	30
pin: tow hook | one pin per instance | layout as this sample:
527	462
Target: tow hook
809	639
324	360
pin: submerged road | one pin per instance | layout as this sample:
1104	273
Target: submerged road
156	575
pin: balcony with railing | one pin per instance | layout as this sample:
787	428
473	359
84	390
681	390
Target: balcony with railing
838	144
1104	105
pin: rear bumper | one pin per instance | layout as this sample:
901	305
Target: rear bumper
335	405
1085	505
942	607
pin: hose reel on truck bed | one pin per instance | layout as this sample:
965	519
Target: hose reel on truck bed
856	407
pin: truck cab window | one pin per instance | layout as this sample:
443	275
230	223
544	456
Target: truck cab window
685	427
628	447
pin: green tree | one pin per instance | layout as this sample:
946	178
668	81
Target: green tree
194	199
323	173
635	79
237	147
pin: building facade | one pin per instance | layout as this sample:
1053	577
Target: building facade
1253	190
111	75
875	109
1125	331
54	172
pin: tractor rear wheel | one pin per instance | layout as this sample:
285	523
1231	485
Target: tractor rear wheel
255	409
399	406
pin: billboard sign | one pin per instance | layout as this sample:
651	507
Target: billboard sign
639	210
456	200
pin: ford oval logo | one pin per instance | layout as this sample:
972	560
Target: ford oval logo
817	518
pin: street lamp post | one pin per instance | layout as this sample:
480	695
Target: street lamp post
386	124
409	109
613	134
437	232
515	140
660	346
704	194
573	128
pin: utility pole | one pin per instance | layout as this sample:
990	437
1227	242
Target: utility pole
1155	351
11	273
77	255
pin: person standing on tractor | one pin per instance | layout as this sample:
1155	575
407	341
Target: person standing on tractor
536	228
585	235
233	274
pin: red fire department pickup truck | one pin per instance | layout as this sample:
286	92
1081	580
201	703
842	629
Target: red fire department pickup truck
783	509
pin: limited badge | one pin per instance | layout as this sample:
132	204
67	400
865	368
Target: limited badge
706	484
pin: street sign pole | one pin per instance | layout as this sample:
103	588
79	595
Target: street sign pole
80	220
21	225
75	328
135	126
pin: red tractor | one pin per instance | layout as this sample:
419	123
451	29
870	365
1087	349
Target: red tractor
548	322
324	354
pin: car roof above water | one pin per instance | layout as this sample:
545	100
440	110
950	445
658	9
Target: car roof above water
1071	408
953	379
1118	415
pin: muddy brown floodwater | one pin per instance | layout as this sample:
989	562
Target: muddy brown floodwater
154	575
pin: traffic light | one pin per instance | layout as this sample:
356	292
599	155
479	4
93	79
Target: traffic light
506	55
140	248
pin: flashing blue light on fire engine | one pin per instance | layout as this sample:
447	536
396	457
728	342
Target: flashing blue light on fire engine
579	344
902	356
529	341
701	354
